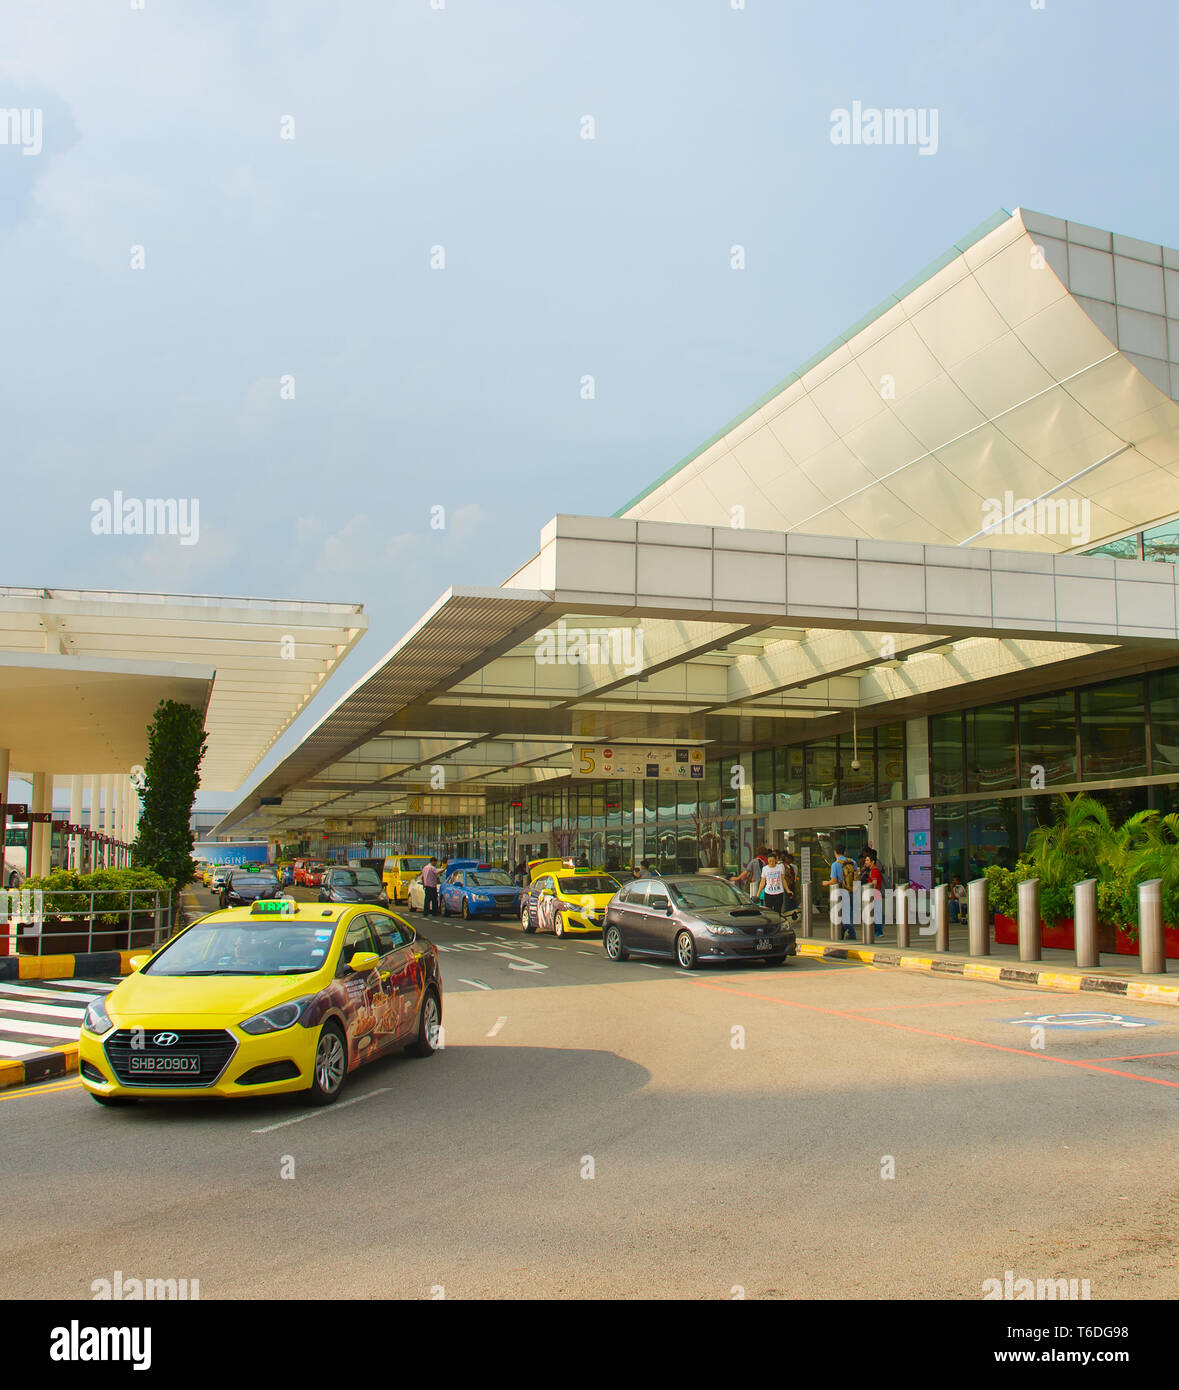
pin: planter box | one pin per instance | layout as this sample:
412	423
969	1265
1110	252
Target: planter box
67	938
1061	938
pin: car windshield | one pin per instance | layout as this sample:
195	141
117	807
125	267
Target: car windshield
246	948
588	883
706	893
254	876
355	878
486	878
414	865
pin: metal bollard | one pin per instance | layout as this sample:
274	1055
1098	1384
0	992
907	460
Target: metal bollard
902	915
1029	919
836	914
1152	954
941	917
979	917
1085	923
806	908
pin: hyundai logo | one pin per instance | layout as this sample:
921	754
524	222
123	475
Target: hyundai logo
166	1039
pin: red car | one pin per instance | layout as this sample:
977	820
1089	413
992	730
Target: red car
309	872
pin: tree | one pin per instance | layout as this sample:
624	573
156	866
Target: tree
175	747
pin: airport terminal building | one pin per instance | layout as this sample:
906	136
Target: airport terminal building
955	598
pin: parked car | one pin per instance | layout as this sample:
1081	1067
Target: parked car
218	873
244	885
398	871
277	997
352	886
693	918
477	890
309	872
568	901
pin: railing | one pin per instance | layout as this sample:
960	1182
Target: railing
31	920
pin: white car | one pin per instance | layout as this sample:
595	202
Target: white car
416	894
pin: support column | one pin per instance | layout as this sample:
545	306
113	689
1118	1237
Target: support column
36	830
74	853
94	821
4	762
108	793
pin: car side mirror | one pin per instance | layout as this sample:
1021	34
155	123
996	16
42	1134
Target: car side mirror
660	904
363	961
138	962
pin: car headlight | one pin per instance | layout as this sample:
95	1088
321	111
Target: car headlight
96	1020
481	897
276	1019
720	931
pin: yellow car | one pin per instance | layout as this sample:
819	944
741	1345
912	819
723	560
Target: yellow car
567	900
399	872
280	996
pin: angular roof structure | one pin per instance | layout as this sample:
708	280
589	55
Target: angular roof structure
1037	358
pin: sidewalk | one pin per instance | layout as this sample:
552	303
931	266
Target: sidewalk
1115	976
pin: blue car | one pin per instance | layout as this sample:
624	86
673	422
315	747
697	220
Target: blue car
477	890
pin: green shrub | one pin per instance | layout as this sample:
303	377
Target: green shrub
67	892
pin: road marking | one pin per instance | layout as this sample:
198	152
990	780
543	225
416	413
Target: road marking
499	1023
587	953
648	966
327	1110
40	1030
40	1008
945	1037
15	991
1134	1057
477	983
524	963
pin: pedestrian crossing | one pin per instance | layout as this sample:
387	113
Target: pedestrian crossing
44	1014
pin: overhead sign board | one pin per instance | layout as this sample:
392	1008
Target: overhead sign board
637	761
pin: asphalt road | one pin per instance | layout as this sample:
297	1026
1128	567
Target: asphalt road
631	1130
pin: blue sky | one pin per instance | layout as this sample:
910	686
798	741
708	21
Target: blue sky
460	127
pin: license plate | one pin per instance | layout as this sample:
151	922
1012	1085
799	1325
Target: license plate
763	943
160	1065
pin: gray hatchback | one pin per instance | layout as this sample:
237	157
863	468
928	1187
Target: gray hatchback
693	918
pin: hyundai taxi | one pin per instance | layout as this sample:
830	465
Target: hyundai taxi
280	996
567	900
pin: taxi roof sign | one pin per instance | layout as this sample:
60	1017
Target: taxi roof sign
273	907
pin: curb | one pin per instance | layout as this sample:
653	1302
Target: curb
42	1066
1143	990
67	967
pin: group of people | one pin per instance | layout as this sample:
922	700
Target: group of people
845	874
771	879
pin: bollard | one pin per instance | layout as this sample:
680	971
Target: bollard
1029	919
836	915
902	915
1152	955
1085	923
941	917
979	917
806	908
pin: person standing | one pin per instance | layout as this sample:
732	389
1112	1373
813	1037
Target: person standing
430	884
751	874
773	884
843	876
871	885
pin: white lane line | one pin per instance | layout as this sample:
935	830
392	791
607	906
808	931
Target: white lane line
499	1023
14	1051
19	1006
105	985
10	992
477	983
587	953
645	966
327	1110
40	1030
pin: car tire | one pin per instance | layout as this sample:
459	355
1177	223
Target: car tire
774	960
685	951
612	943
466	911
442	908
330	1068
113	1100
526	921
428	1025
559	926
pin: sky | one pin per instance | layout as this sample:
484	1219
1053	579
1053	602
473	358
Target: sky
323	269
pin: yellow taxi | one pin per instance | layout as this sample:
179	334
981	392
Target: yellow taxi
565	899
399	872
280	996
